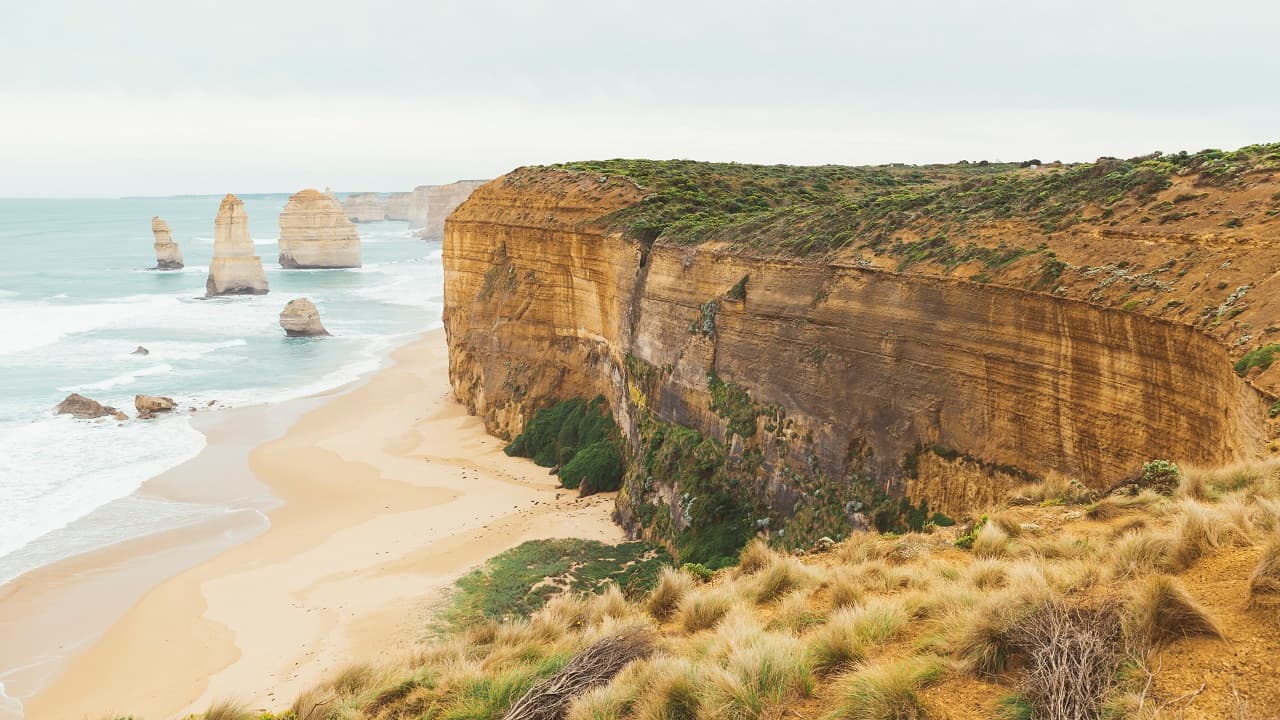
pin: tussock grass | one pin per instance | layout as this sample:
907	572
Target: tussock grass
844	589
991	542
755	679
704	610
861	547
887	690
780	577
1055	488
672	588
796	613
1264	584
987	574
227	710
756	556
1161	610
1141	552
672	691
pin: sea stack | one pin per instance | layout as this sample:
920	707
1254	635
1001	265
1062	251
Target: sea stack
300	318
234	270
168	256
315	233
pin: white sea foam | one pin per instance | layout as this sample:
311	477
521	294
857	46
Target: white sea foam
56	470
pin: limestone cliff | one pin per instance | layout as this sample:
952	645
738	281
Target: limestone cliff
417	213
440	202
315	233
168	256
365	207
234	269
832	384
397	206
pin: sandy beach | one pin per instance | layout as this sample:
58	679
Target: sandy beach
388	492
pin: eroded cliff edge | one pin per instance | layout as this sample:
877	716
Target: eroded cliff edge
824	390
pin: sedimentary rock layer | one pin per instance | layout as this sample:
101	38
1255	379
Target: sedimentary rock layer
234	269
365	207
441	200
315	233
168	256
922	384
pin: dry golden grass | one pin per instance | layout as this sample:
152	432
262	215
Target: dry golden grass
859	631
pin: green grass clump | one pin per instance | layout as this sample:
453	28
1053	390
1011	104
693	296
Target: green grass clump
581	438
887	690
512	583
1261	357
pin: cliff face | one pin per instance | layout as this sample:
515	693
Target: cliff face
828	382
234	269
440	201
397	206
314	233
364	207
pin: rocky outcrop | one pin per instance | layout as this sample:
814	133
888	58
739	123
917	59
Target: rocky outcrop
441	200
300	318
168	256
80	406
825	382
140	351
315	233
365	207
149	405
234	270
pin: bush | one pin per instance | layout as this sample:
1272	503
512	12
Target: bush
1261	357
595	468
1072	654
1161	476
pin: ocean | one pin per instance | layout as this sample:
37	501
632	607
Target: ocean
76	299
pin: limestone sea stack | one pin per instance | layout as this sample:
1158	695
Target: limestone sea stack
365	207
442	200
315	233
234	270
300	318
168	256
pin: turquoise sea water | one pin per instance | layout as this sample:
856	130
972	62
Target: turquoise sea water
76	299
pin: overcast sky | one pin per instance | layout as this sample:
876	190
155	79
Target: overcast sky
168	97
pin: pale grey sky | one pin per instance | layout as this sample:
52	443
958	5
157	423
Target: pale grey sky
161	97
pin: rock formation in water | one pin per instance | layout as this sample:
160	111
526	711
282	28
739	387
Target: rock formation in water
168	256
140	351
80	406
441	200
365	207
315	233
234	269
300	318
863	363
148	405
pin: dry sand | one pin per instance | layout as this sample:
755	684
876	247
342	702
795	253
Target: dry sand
390	491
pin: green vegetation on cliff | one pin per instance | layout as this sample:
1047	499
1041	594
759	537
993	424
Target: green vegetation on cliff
578	437
824	208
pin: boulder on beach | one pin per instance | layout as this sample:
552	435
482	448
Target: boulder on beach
168	256
234	270
148	405
300	318
315	233
80	406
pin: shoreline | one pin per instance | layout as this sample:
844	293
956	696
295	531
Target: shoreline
388	491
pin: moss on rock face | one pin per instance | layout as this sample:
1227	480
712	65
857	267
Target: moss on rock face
580	438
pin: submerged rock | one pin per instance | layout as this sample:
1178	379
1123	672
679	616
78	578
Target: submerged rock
315	233
168	256
140	351
80	406
148	405
300	318
234	270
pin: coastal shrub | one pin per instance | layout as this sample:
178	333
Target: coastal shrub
513	584
1261	357
580	439
1160	475
595	468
